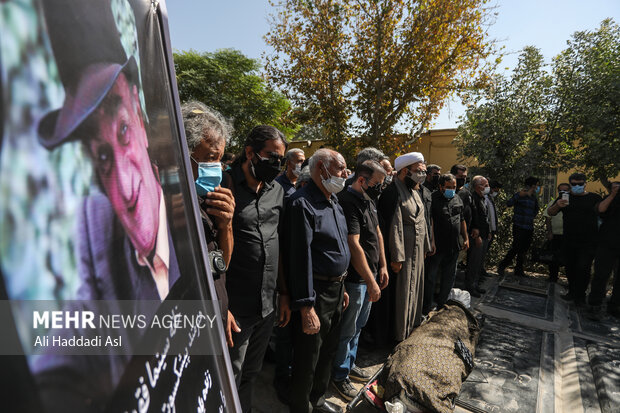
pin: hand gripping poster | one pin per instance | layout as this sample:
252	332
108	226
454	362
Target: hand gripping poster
106	299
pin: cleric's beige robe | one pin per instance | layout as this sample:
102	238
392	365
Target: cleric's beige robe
409	243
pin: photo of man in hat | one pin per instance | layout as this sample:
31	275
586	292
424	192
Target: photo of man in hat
124	246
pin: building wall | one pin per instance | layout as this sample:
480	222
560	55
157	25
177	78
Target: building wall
437	147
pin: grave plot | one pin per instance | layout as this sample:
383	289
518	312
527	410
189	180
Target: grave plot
606	327
599	375
524	300
514	365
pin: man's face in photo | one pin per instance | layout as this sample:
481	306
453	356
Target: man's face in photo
119	152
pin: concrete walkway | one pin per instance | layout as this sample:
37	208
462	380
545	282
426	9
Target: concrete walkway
536	354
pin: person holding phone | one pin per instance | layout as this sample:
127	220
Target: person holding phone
580	226
555	231
207	133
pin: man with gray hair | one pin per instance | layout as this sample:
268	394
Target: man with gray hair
366	154
317	257
479	234
294	158
207	133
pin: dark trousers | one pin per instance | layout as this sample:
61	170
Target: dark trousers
284	352
578	257
475	262
521	241
248	353
314	353
441	269
607	258
556	247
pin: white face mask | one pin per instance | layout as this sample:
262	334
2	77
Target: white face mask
494	194
388	180
333	184
297	170
419	176
486	190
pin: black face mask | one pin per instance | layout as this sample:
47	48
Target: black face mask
460	182
264	170
409	182
373	192
435	181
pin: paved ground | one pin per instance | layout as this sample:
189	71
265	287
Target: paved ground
535	354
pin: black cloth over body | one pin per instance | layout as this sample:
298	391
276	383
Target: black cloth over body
314	353
253	270
316	242
362	220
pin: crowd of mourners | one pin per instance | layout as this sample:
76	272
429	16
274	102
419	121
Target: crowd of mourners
313	253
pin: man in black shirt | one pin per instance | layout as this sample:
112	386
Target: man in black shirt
432	177
253	271
367	273
580	235
317	261
450	237
479	233
607	253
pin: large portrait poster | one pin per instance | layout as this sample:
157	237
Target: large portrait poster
106	301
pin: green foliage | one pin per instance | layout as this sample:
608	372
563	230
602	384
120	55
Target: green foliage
546	118
229	82
587	83
506	132
542	118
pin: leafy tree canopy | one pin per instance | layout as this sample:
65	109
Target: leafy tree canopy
229	82
545	117
375	68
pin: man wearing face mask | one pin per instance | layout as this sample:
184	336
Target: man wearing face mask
367	273
255	274
402	210
207	132
479	235
450	237
525	203
580	219
317	258
294	158
490	201
432	177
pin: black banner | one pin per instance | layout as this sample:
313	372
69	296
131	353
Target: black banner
96	207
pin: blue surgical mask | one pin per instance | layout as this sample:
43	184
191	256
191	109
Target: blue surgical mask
537	189
209	177
577	189
449	193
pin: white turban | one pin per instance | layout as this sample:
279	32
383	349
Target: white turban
408	159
